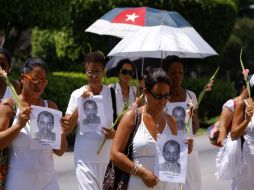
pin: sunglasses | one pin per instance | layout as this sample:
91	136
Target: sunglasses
95	73
159	96
126	72
35	80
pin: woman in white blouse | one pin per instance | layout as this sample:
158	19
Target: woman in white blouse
125	93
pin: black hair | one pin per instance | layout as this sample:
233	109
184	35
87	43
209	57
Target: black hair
173	59
95	57
7	54
239	84
90	102
122	62
153	76
33	62
47	114
173	143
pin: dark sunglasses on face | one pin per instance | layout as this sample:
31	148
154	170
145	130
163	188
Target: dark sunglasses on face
125	72
159	96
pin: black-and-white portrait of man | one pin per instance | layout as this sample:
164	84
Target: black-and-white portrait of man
91	110
45	123
179	113
171	154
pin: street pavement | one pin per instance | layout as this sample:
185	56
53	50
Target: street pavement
207	153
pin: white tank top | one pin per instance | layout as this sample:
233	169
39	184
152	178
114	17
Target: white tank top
7	93
144	145
24	159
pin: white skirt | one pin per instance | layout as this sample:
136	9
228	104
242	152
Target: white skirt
90	175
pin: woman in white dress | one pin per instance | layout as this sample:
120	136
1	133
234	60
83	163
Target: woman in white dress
153	122
91	166
177	105
125	93
29	169
243	126
228	111
5	63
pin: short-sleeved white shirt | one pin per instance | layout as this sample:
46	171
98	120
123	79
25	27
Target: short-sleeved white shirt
87	144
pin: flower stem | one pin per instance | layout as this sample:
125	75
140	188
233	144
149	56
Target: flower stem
245	76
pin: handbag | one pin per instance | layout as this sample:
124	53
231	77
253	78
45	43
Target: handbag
115	178
213	133
4	157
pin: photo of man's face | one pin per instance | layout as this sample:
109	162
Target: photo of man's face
45	123
179	114
91	110
171	152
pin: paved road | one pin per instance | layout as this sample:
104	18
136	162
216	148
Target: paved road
66	173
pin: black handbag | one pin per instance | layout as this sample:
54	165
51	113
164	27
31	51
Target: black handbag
115	178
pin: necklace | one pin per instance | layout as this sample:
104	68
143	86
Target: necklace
157	121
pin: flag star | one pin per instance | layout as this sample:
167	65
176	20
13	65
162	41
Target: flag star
132	17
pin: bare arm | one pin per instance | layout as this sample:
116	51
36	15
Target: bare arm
64	131
195	122
240	121
120	141
8	134
225	121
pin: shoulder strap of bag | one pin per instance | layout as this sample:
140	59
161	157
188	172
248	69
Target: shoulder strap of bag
113	97
129	147
188	93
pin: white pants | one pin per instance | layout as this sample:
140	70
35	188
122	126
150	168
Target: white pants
90	175
193	175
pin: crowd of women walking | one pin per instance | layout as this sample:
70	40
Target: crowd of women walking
162	111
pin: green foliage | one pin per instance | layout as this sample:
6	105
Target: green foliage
215	19
23	14
212	102
240	38
57	48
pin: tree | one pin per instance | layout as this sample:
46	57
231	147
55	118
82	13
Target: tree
18	16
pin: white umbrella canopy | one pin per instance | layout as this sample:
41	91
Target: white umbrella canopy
162	41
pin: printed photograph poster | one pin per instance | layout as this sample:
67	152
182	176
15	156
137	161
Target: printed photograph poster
91	114
45	128
171	158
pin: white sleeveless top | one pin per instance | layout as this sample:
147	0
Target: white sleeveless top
178	110
144	151
30	169
7	94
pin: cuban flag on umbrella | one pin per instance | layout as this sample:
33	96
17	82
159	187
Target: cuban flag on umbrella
120	22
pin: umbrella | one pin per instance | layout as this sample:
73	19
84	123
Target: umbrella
139	65
120	22
162	41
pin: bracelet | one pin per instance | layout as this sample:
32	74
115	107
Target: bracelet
133	168
137	168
